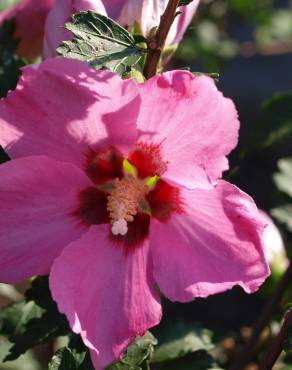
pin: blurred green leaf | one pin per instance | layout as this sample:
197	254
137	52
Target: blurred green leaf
208	43
257	11
276	125
101	42
184	2
14	318
33	321
6	4
283	214
26	362
9	63
10	292
278	28
283	366
283	179
199	360
182	339
288	342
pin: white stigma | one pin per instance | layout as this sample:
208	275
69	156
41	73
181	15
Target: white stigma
120	227
123	203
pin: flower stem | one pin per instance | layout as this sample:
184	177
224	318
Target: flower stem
156	43
277	344
245	354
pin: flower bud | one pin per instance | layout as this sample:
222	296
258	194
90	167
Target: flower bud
146	13
55	31
275	250
30	16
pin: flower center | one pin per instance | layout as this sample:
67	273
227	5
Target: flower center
123	203
127	193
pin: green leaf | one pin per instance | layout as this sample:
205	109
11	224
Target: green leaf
137	353
63	360
283	214
140	350
101	42
33	321
136	356
80	352
184	346
283	179
73	357
182	339
276	125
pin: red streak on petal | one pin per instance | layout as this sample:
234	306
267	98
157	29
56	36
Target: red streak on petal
164	199
92	209
147	160
138	231
104	165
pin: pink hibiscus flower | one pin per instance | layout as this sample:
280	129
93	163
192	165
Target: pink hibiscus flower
146	12
30	16
114	189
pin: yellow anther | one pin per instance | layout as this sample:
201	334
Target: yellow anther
152	181
129	169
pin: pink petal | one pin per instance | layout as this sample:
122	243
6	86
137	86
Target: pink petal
63	107
38	197
195	125
114	7
30	18
55	31
145	12
115	287
215	245
182	21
